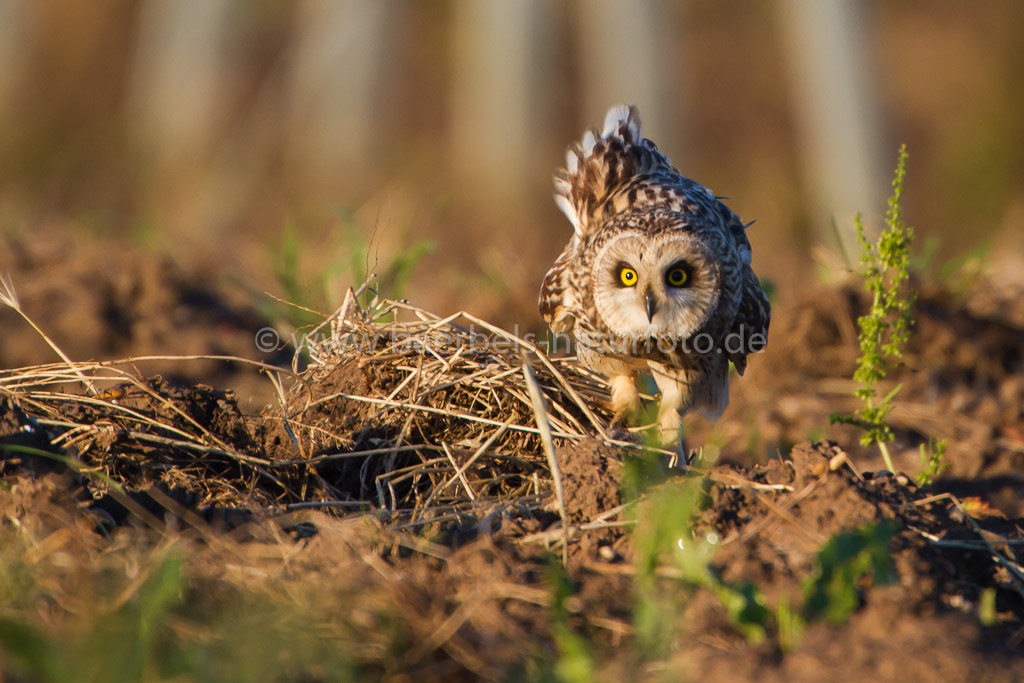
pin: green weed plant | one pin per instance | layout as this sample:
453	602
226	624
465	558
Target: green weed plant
884	330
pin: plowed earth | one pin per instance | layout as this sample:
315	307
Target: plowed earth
476	595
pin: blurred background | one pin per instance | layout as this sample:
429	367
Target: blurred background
288	147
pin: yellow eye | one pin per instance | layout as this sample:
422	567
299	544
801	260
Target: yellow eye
627	276
677	277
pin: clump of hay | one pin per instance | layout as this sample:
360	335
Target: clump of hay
428	416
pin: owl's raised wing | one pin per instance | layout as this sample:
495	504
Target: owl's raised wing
617	169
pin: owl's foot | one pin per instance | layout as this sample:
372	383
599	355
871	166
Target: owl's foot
670	421
670	432
675	442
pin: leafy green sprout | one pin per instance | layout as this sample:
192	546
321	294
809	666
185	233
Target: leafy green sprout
933	462
885	329
831	592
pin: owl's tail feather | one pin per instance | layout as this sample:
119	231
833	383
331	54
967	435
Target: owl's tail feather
622	115
602	165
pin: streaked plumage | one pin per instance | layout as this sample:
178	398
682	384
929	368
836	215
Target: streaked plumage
656	276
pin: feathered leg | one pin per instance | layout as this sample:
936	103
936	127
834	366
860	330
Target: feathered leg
676	399
625	397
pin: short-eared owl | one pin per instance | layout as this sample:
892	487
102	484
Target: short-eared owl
655	278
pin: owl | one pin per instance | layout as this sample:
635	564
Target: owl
656	277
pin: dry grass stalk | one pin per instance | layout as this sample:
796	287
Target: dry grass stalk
9	297
541	413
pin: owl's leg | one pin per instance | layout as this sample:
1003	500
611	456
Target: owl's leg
625	396
669	418
675	400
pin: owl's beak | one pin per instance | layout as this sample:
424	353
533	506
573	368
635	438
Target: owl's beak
652	304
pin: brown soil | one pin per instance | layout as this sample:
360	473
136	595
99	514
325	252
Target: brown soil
103	300
476	597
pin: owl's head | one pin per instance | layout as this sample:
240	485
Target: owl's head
655	286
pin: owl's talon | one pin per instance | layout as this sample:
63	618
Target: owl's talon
683	456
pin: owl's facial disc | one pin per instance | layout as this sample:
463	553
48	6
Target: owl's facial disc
655	287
